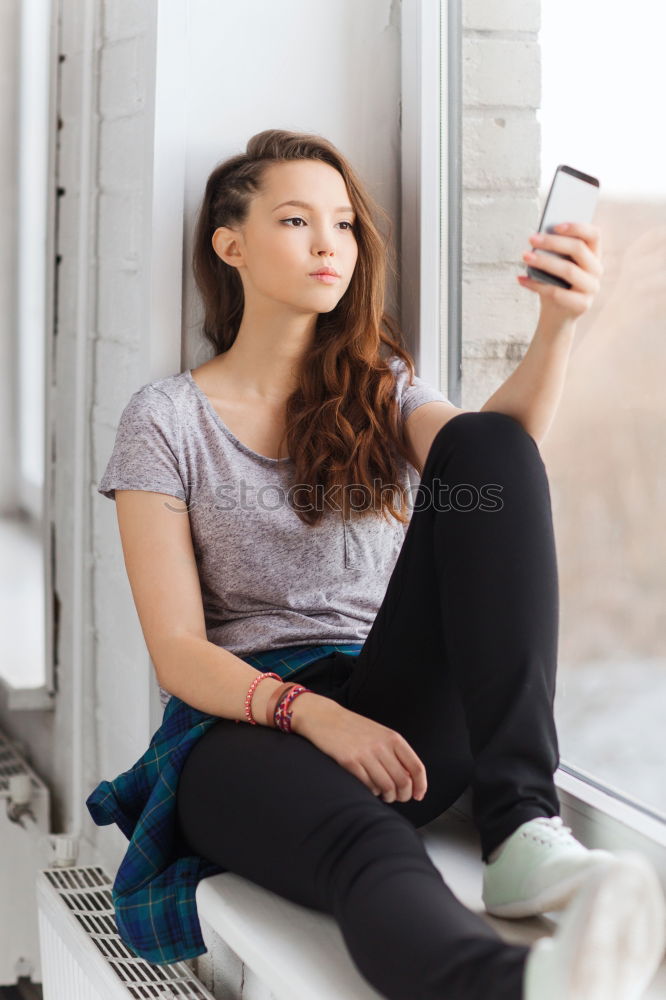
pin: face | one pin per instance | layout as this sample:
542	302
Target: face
277	248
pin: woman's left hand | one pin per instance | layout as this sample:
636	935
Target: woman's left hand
581	242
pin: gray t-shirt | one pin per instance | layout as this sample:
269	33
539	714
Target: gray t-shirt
268	580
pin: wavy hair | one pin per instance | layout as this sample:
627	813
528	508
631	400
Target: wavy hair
343	428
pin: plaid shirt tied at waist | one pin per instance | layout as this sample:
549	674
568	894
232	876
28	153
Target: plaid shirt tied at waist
155	886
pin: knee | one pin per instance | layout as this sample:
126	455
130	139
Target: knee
488	428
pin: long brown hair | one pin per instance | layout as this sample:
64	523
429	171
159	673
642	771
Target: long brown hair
343	426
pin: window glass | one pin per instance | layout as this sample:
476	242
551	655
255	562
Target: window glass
601	112
24	160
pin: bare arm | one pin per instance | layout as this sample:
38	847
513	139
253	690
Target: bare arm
216	681
161	567
532	392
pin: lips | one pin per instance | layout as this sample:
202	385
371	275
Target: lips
325	278
325	270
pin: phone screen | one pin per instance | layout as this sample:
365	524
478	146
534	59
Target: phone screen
573	197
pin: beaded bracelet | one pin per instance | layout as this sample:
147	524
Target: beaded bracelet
248	696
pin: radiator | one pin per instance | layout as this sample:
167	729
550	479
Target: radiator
24	850
83	957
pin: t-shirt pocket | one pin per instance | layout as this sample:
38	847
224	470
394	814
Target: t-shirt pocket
371	543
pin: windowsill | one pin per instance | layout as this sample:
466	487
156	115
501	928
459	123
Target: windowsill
301	952
599	818
26	699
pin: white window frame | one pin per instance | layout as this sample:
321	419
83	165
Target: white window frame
599	815
35	313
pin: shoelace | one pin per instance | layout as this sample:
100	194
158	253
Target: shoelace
554	830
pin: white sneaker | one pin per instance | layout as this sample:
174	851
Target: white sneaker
609	942
541	867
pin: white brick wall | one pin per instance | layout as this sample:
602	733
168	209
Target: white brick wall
127	34
501	169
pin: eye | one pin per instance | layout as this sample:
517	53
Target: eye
297	218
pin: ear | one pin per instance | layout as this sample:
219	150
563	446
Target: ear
224	244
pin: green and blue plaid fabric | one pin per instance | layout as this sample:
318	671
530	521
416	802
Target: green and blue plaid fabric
154	889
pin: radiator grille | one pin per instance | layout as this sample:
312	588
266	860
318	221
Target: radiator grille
24	851
86	894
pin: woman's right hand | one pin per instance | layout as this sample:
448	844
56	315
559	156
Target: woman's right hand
378	756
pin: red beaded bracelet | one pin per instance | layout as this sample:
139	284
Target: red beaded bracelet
248	696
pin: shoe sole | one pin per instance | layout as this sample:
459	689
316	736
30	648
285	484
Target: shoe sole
616	931
554	897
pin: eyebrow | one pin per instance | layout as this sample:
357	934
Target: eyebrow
304	204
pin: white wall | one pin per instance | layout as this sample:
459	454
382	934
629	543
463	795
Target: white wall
256	65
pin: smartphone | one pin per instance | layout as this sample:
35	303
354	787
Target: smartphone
573	197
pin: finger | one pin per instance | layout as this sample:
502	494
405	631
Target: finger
576	302
575	248
580	280
544	289
529	282
415	766
381	778
401	777
362	775
584	230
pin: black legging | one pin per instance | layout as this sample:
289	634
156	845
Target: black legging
461	660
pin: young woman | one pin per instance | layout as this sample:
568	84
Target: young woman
270	531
